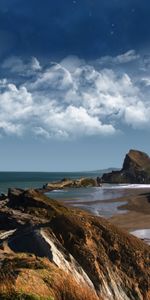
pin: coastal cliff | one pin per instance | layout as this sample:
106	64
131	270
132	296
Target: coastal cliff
55	252
135	169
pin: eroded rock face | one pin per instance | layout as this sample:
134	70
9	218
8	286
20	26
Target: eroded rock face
112	263
136	169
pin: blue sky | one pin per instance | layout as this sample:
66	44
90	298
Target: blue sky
74	83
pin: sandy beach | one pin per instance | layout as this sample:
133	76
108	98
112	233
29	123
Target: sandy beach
136	218
137	210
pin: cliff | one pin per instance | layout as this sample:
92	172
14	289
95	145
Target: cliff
136	169
52	251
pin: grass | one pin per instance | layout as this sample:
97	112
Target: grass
21	261
50	283
65	287
22	296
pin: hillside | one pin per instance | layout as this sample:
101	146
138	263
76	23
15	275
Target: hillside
49	250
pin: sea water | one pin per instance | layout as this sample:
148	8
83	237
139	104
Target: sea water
27	180
97	200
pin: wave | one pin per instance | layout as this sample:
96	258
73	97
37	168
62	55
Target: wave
126	186
143	234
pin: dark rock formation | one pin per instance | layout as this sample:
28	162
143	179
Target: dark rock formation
3	197
136	169
109	262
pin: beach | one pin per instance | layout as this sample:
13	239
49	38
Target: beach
137	209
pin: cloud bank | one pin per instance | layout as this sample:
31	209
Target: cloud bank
73	98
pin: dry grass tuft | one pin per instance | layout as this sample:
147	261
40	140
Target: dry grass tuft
7	280
24	278
65	287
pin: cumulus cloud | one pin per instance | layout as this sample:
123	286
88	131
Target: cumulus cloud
140	115
72	98
76	121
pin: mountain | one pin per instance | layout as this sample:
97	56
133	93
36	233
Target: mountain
50	251
136	169
101	172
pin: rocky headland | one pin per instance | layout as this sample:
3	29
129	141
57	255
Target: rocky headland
135	169
51	251
70	183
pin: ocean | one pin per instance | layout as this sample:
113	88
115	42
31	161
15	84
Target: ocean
27	180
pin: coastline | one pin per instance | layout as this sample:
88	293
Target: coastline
134	210
130	209
137	210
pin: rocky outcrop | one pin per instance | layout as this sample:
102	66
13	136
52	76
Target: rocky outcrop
136	169
79	247
73	183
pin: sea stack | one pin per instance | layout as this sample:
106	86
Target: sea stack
135	169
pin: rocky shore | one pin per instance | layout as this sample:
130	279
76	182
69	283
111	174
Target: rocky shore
56	252
70	183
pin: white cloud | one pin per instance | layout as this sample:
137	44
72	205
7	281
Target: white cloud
40	132
17	66
10	128
127	57
35	65
146	81
124	58
77	122
71	63
138	115
72	99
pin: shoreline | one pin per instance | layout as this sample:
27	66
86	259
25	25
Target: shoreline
137	215
133	205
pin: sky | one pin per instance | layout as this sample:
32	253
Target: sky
74	83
